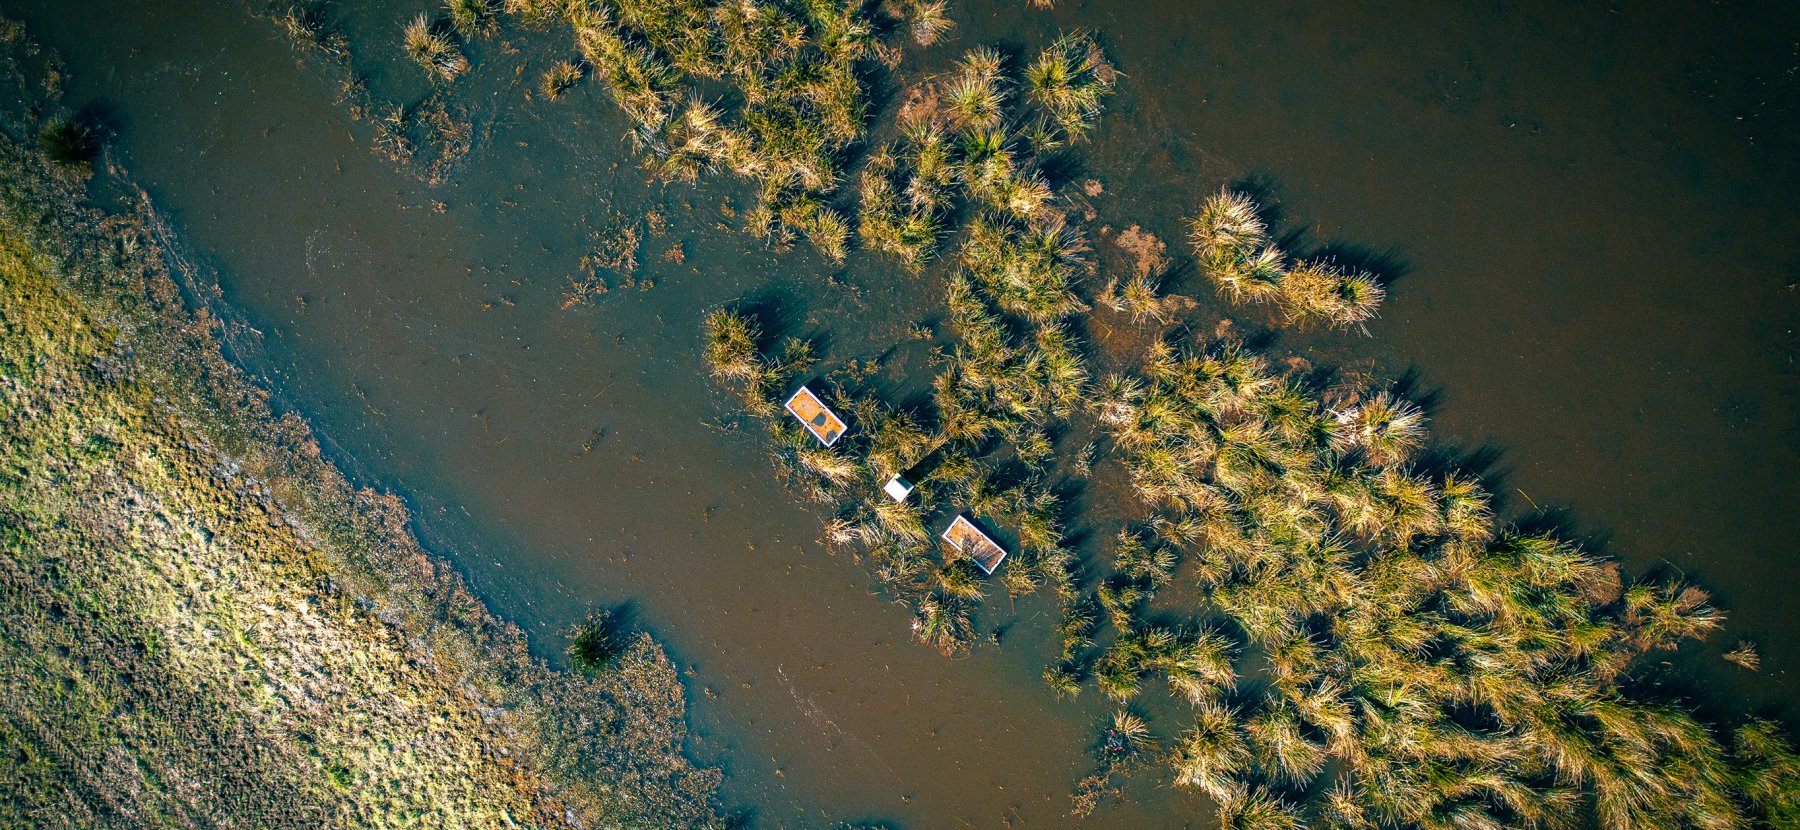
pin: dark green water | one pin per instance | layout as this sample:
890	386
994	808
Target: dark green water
1594	208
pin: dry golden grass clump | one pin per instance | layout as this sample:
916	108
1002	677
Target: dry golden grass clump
1232	244
561	77
430	46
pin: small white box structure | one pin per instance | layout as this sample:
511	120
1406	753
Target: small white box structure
898	488
966	537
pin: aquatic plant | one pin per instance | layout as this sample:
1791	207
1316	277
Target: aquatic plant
1063	678
594	644
1140	298
943	623
561	77
731	346
958	578
1213	755
1317	291
687	145
1071	79
69	142
793	72
1768	772
903	217
473	18
1744	654
1257	809
307	25
976	93
1385	429
534	12
1028	268
1281	747
928	21
433	50
1232	245
1126	738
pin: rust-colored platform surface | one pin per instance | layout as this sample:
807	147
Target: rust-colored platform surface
818	418
966	537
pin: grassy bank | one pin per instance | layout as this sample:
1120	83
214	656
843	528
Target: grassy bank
203	624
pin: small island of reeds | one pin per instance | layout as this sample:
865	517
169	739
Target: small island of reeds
1359	638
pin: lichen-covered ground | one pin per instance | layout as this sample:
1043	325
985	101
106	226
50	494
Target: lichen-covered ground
203	625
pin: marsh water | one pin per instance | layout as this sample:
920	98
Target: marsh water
1587	218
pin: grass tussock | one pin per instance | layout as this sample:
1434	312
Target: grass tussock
430	45
928	21
1232	245
69	143
561	77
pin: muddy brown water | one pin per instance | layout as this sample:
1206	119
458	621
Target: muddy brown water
1592	207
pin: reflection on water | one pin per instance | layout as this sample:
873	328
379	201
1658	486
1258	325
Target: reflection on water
1598	277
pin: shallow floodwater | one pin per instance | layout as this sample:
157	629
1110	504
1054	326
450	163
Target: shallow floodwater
1593	211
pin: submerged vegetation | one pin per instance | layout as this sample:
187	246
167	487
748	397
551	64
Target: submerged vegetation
203	624
428	137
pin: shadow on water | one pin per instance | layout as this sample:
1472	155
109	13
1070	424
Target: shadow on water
778	314
1386	265
1412	386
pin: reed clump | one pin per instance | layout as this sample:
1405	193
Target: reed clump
561	77
1463	668
430	45
795	74
69	143
1418	661
1232	244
